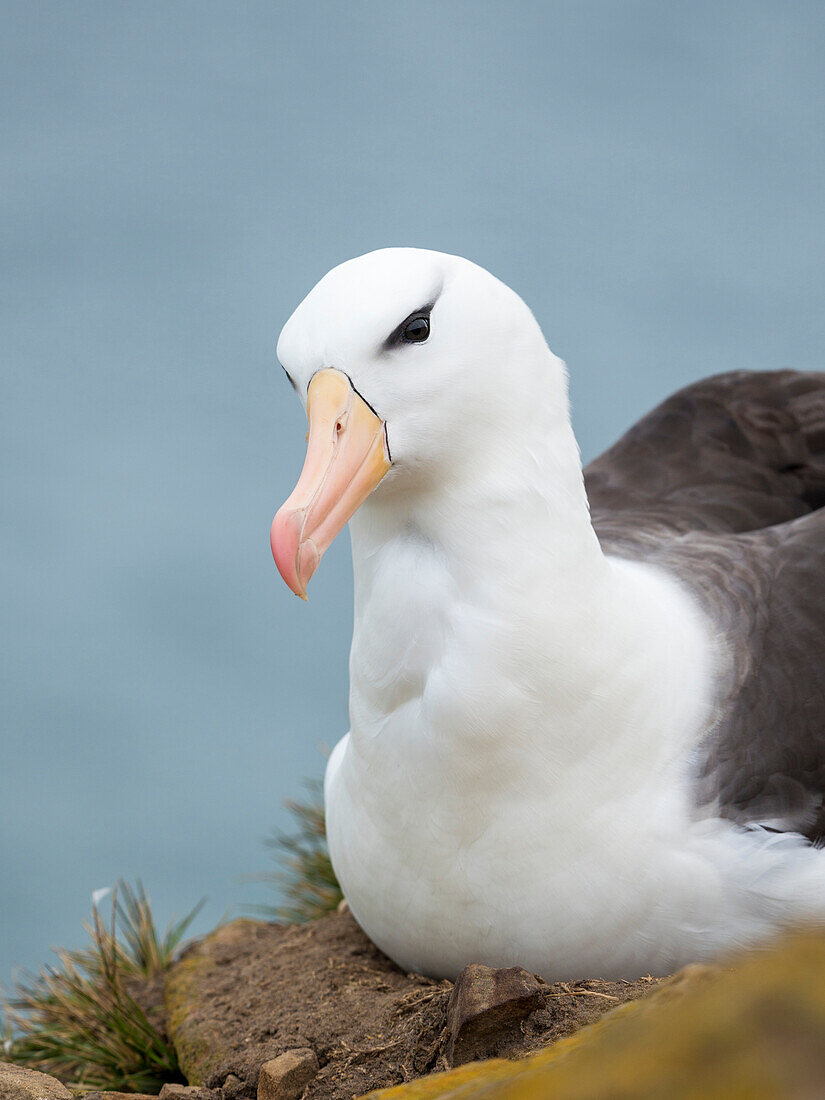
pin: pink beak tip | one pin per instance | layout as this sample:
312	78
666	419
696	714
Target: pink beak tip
347	455
284	541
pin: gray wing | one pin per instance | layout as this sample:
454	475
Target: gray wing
738	452
724	486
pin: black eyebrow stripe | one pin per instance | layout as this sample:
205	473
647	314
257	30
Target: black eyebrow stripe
395	335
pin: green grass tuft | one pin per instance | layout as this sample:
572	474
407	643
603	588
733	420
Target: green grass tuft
80	1020
305	876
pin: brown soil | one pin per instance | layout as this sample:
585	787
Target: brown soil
252	990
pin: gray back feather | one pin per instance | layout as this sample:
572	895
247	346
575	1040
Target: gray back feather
724	486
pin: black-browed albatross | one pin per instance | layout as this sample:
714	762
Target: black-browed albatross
583	740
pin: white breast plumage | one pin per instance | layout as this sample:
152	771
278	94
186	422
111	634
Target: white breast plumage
536	712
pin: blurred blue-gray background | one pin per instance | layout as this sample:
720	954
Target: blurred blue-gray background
174	177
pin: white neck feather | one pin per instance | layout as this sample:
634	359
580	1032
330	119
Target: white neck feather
513	512
495	576
525	710
503	671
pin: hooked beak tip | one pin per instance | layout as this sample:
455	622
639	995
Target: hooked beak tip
289	552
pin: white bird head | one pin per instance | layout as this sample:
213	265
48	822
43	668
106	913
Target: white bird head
413	367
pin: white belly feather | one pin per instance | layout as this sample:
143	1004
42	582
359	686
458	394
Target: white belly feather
485	808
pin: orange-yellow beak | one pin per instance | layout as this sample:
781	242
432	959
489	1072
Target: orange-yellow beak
347	455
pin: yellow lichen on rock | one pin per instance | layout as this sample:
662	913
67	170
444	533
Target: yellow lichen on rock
753	1032
467	1080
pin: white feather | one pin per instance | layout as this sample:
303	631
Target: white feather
515	787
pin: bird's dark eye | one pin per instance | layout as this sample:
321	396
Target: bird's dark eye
413	329
416	330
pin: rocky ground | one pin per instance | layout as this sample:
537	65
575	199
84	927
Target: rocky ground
252	991
316	1010
281	1012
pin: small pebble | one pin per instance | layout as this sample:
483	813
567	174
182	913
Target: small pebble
286	1077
